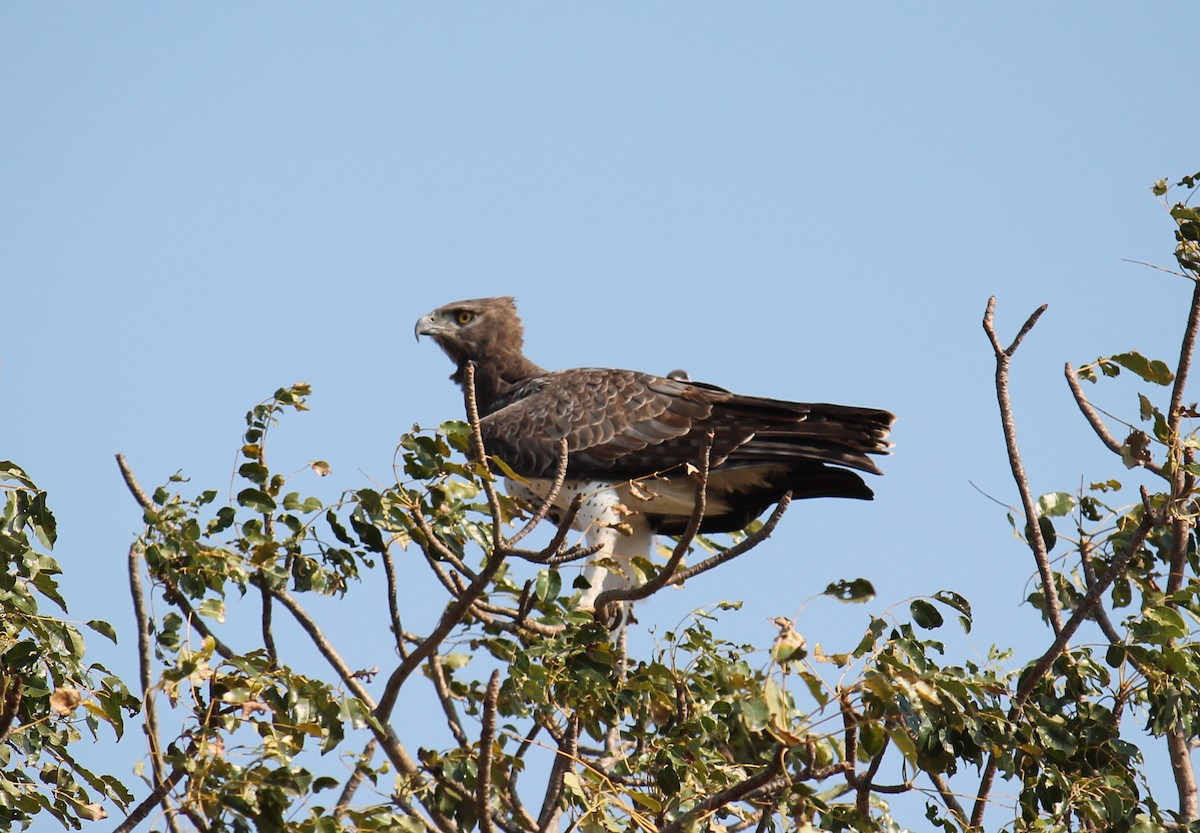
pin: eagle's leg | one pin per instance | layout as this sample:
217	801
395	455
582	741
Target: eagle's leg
606	522
621	537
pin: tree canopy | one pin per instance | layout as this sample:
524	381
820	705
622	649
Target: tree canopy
546	721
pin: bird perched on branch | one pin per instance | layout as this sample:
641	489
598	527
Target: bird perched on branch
634	440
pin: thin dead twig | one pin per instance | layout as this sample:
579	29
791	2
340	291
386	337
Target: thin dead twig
646	589
745	545
489	485
560	476
1036	542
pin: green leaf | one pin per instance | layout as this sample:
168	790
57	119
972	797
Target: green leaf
256	499
1056	504
213	609
455	661
954	600
926	615
293	503
1171	624
547	585
1152	370
857	591
104	629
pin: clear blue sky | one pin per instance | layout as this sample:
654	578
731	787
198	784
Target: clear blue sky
202	203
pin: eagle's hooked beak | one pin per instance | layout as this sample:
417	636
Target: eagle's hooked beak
426	326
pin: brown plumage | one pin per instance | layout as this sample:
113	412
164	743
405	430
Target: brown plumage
623	425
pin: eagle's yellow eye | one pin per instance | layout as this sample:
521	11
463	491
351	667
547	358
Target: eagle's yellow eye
465	316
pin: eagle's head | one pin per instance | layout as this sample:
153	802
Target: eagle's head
477	330
486	331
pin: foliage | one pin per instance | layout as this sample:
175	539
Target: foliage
545	721
46	689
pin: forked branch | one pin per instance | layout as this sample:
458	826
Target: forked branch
1037	542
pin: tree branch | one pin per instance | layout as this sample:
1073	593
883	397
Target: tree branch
564	762
1036	542
729	795
1033	676
649	588
745	545
560	475
1093	418
483	779
489	485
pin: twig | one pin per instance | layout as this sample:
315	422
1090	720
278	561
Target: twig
514	797
1186	350
649	588
483	783
392	748
389	571
1033	677
948	797
745	545
1036	542
560	475
489	486
453	614
267	636
356	778
145	660
134	489
440	550
564	762
1182	483
1093	418
147	805
729	795
438	676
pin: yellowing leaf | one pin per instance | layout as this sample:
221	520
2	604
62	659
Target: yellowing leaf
65	699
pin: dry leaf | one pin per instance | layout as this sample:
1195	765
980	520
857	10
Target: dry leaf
92	812
64	700
253	707
320	467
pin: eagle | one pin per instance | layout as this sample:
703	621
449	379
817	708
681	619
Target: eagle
634	440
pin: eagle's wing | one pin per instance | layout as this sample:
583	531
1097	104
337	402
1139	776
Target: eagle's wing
623	424
618	423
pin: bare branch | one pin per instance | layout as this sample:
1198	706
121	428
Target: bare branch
1187	350
948	798
649	588
1036	542
745	545
451	617
564	762
147	805
267	635
514	797
132	484
440	550
389	571
356	778
1179	750
1093	418
438	676
483	784
560	475
489	486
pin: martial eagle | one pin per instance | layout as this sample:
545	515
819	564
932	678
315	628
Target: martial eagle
633	439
